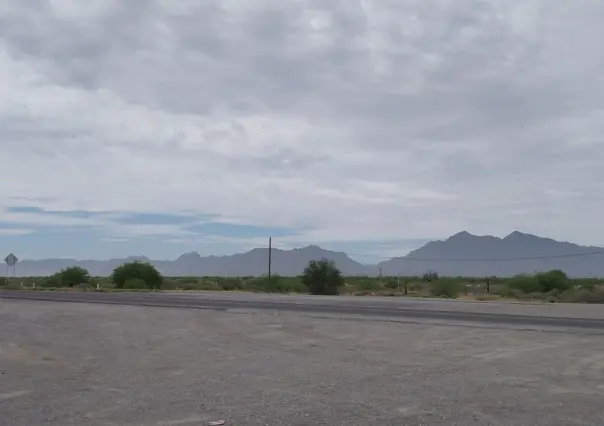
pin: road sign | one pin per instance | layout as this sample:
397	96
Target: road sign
11	260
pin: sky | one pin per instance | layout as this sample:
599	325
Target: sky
166	126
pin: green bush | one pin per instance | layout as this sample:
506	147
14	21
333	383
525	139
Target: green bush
134	284
445	288
137	270
279	285
298	287
416	287
555	280
392	284
507	292
524	283
186	286
169	284
322	277
259	284
52	281
430	276
74	276
583	295
369	284
230	284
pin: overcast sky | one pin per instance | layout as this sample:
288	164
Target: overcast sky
163	126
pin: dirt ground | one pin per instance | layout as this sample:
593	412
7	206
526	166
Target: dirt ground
83	364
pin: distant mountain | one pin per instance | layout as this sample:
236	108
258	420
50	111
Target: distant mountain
465	254
252	263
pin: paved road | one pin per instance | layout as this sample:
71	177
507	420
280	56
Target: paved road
568	316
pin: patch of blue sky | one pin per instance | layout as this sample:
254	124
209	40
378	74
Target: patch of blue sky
78	214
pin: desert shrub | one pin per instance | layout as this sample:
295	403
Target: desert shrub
506	291
416	287
230	284
52	281
134	284
368	284
430	276
445	288
74	276
583	295
322	277
298	287
137	270
392	284
257	284
555	280
524	283
203	285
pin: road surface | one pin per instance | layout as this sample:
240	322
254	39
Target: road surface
103	364
589	317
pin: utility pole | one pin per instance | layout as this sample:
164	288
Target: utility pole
270	247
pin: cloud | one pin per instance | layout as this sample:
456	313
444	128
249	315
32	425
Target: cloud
338	121
14	231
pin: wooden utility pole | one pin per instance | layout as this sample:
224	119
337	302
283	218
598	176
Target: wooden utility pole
270	252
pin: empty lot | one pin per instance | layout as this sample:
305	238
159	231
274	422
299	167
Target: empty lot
91	364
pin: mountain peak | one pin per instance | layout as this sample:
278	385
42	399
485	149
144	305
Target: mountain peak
191	255
137	259
462	234
519	235
312	248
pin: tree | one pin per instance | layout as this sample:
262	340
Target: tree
322	277
553	280
137	271
430	276
524	283
73	276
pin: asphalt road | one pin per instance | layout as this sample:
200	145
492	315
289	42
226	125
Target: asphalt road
564	316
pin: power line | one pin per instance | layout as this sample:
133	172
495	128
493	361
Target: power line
486	259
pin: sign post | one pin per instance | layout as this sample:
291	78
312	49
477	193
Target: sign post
11	262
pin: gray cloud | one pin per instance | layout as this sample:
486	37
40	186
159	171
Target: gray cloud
369	120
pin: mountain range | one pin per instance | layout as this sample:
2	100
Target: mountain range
463	254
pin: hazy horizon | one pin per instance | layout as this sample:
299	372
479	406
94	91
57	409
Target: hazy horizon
366	258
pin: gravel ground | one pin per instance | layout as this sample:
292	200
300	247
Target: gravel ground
85	364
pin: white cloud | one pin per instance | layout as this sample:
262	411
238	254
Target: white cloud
363	120
12	232
116	240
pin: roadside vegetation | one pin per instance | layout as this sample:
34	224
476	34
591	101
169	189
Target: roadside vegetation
321	277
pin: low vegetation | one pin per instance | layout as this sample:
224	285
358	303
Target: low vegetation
136	275
322	277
